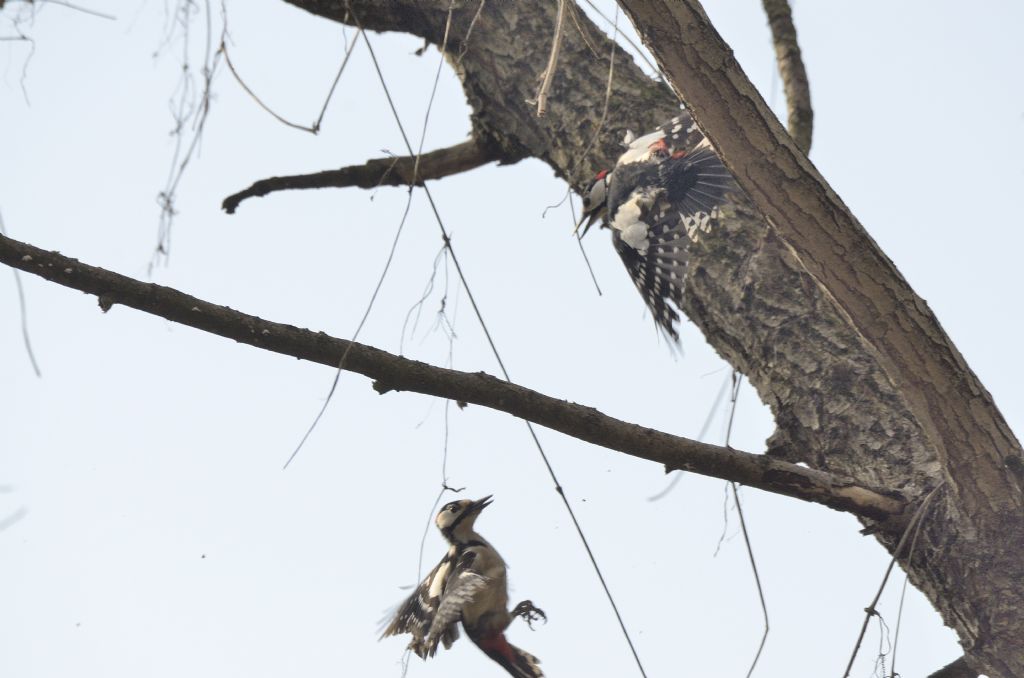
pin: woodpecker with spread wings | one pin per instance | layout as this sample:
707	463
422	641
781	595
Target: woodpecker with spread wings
666	190
469	585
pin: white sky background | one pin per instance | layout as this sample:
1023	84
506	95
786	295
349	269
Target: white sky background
161	536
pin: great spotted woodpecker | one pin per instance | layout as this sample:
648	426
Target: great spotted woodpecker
468	586
665	191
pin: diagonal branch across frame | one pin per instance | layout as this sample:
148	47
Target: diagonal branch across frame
394	373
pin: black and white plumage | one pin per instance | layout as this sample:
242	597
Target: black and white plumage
469	586
665	191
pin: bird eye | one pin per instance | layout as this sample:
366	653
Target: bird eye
453	508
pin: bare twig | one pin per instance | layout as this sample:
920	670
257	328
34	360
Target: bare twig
185	109
83	10
393	373
442	254
27	15
469	31
737	381
599	132
341	69
312	129
616	31
396	171
355	335
903	594
791	68
315	127
757	578
549	72
387	262
574	14
433	93
870	610
69	5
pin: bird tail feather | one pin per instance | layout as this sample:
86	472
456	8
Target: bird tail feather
517	662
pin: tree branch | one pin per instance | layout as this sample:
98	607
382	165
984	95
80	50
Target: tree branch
394	171
956	413
394	373
977	452
791	68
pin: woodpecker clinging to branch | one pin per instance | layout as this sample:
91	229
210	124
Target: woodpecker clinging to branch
665	191
468	586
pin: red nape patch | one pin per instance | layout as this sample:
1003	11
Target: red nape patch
601	175
497	645
678	154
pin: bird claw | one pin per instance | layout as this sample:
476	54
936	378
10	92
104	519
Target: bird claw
529	613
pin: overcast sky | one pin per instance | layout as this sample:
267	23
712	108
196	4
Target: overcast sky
160	537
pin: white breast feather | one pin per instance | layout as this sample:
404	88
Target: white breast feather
627	221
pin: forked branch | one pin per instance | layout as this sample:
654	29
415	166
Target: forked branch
394	373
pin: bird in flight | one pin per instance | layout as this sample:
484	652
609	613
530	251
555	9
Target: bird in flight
469	586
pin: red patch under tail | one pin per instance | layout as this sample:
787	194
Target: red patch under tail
517	662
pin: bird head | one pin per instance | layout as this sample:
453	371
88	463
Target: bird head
595	202
457	517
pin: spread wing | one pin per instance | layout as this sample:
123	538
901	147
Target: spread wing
653	224
461	587
415	614
658	279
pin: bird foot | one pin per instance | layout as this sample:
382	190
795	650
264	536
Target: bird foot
529	613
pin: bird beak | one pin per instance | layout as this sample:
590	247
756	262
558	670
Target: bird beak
589	218
481	504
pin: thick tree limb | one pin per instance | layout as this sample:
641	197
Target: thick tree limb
396	171
791	68
981	458
394	373
500	52
958	414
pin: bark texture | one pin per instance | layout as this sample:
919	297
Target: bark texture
858	373
980	539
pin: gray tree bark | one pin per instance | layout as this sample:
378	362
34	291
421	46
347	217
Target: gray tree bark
860	377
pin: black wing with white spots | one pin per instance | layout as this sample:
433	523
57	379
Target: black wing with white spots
461	587
417	613
431	614
665	193
414	614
